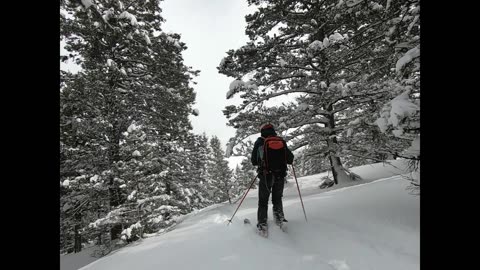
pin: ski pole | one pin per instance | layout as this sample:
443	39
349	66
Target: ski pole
293	169
245	195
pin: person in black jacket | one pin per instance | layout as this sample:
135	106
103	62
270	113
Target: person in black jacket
270	182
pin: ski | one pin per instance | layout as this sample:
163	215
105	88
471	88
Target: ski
282	224
327	184
263	232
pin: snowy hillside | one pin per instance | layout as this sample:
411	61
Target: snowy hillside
373	224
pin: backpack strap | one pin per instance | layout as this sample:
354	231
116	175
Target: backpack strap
265	157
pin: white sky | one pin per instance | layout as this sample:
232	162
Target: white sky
209	28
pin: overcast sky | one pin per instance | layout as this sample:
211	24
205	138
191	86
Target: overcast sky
209	28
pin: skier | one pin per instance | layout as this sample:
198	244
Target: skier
271	155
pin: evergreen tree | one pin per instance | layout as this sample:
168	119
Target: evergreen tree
332	56
132	75
220	175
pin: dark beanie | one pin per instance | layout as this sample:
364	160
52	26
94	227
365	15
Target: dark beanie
267	130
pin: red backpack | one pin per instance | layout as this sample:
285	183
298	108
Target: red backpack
273	154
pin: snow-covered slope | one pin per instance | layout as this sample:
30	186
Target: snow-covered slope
373	224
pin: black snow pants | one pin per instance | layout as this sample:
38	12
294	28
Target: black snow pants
270	183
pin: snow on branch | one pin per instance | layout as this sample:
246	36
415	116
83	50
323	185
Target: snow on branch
128	16
395	111
272	95
407	58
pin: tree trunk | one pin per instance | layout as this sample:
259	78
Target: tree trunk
77	246
99	239
228	195
335	179
168	189
335	163
118	126
115	196
228	192
116	229
303	161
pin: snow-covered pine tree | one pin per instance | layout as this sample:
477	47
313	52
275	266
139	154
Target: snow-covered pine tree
238	182
197	156
399	118
130	72
203	153
331	55
219	174
248	172
310	160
